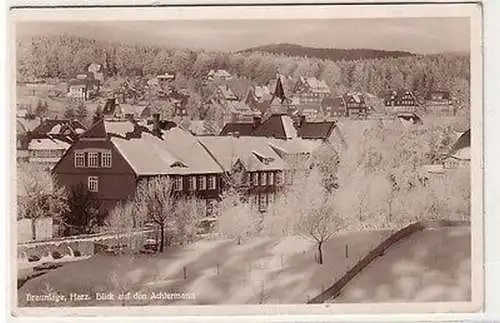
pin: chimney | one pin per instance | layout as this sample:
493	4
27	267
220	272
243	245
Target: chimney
156	125
137	131
257	121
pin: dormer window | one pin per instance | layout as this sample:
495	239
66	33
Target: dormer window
177	164
263	159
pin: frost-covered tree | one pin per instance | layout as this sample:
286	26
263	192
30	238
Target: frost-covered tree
155	199
237	219
38	195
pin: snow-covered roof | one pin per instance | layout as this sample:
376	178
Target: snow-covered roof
316	85
462	154
48	144
177	152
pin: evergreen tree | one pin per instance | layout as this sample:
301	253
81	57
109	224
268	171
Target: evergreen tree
81	112
75	109
97	114
42	108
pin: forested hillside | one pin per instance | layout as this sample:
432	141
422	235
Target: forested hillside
63	56
334	54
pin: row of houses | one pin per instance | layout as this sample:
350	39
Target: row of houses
113	155
312	97
307	96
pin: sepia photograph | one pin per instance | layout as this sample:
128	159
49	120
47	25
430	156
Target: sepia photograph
192	158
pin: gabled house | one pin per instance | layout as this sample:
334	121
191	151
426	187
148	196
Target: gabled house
222	94
258	166
334	107
438	98
232	108
257	95
164	79
84	86
351	105
400	101
282	126
219	75
310	90
460	153
279	126
115	110
98	71
237	111
112	156
24	128
282	99
439	101
310	112
47	142
250	165
356	106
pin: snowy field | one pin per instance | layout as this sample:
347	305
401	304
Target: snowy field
429	266
263	270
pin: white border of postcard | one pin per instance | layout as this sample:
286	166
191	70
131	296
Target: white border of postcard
473	11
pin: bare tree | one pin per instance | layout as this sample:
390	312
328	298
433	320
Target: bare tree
125	219
155	198
188	213
319	225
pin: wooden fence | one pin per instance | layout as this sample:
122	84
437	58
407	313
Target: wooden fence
334	290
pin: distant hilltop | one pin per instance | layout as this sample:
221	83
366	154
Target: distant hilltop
334	54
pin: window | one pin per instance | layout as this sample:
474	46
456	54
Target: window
262	202
93	184
255	179
79	159
202	183
263	179
271	179
192	183
178	183
93	159
106	159
211	182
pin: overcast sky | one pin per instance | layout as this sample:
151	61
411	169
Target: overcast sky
418	35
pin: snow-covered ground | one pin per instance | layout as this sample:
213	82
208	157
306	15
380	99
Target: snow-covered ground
262	270
432	265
